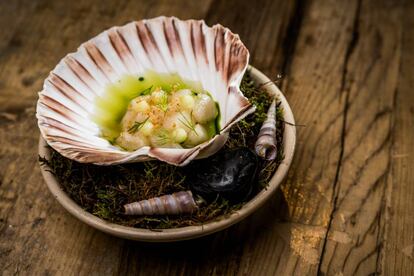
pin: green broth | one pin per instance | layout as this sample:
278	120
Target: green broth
111	106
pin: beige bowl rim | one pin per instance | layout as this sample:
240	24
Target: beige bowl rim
188	232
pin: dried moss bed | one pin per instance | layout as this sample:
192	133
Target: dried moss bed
103	190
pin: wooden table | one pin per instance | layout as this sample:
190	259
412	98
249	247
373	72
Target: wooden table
346	207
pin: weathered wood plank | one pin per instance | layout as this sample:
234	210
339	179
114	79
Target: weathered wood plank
314	89
398	250
268	29
356	230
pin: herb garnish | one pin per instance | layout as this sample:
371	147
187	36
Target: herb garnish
187	123
146	91
163	105
137	126
163	137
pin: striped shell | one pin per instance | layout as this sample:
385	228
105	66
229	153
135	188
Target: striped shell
213	56
266	140
174	204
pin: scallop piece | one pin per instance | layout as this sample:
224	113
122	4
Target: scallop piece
184	98
128	119
197	135
138	111
179	135
132	141
180	119
156	115
205	109
140	99
131	117
212	56
147	128
183	92
187	102
140	105
161	138
159	97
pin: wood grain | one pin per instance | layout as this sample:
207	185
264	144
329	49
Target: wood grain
346	206
398	245
356	229
296	228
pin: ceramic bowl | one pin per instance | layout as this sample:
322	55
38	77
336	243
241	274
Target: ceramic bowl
190	232
212	56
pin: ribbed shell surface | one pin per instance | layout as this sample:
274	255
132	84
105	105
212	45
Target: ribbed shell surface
213	56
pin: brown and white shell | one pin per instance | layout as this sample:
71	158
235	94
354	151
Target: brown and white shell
266	140
213	56
174	204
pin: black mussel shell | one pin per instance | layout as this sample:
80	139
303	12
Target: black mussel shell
230	174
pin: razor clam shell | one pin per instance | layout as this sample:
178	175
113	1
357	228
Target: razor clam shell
266	140
174	204
212	55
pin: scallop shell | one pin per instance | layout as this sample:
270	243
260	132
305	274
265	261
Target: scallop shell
213	56
174	204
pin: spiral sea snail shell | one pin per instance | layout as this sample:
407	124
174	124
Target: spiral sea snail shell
173	204
266	141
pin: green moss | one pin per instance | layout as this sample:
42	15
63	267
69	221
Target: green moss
103	190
